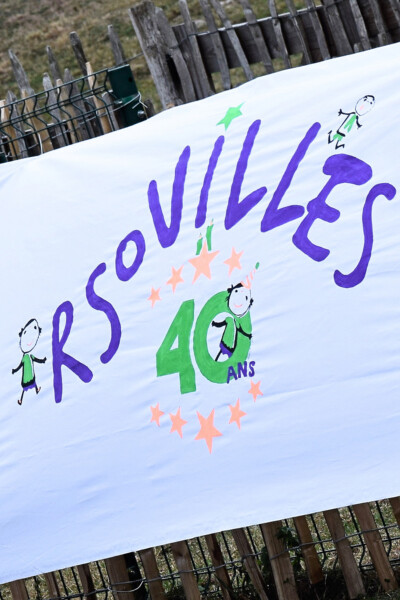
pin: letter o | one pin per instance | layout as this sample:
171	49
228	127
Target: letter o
125	273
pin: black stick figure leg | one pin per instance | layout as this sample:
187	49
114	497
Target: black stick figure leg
20	400
37	388
330	139
338	145
218	355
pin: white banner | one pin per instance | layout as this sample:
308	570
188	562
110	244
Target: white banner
201	318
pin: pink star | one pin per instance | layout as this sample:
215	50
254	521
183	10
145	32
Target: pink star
255	390
234	261
175	278
202	262
156	413
154	296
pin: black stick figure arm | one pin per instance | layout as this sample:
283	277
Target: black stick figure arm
249	335
17	369
219	323
39	360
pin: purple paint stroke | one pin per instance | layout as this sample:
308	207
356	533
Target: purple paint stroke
237	209
60	357
274	216
201	214
125	273
342	168
107	308
167	235
357	275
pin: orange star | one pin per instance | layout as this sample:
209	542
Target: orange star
255	390
202	262
175	278
177	422
154	296
236	413
234	261
156	413
207	430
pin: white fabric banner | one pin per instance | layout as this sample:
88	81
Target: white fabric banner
201	319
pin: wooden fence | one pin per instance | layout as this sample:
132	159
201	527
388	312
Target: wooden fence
184	64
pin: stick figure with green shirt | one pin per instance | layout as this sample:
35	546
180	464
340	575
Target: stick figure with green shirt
237	320
363	106
28	338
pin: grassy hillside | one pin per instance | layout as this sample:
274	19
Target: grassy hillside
28	26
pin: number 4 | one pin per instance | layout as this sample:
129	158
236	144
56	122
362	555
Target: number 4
178	360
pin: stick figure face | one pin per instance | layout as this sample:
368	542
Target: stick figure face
364	105
239	300
29	336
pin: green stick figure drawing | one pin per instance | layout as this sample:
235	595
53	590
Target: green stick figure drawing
28	338
239	301
363	106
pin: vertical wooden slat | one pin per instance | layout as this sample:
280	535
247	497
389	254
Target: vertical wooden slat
86	579
280	561
6	127
338	31
249	562
78	105
72	125
16	123
38	126
308	550
298	25
53	63
116	46
384	36
52	585
360	25
78	51
395	504
119	578
152	573
218	562
217	45
232	35
375	546
100	106
18	590
319	32
351	573
280	40
184	564
21	77
143	18
258	37
53	110
201	79
175	54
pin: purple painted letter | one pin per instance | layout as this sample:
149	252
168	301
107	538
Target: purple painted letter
60	357
107	308
342	168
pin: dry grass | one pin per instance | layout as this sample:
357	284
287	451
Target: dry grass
28	26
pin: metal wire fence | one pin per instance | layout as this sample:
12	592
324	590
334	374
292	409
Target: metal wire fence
70	112
68	583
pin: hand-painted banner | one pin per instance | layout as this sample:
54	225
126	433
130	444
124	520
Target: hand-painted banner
202	306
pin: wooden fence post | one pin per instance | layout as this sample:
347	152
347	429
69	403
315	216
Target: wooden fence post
152	573
119	578
375	546
351	573
18	590
308	550
221	571
243	545
87	582
280	561
143	18
184	564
